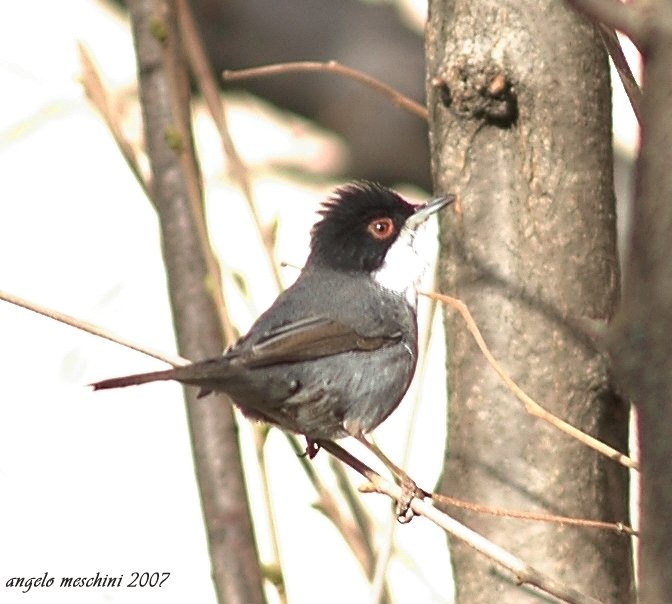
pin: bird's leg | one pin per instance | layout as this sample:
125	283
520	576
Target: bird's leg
409	489
311	448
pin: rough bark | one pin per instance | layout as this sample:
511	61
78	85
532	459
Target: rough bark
164	96
519	102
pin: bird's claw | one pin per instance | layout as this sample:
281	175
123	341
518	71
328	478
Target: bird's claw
409	490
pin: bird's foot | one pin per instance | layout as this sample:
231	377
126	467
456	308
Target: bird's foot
409	491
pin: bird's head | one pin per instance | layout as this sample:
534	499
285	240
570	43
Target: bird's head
369	228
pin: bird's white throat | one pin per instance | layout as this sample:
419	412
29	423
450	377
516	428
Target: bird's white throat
407	261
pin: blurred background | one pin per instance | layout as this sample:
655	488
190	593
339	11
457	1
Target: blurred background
104	482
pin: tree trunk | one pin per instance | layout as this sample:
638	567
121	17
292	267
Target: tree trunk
520	111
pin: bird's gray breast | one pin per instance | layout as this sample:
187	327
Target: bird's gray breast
349	392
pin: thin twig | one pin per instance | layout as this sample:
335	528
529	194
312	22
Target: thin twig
356	508
260	437
386	549
379	585
200	67
363	521
628	80
532	407
330	66
328	505
524	574
618	527
175	361
98	93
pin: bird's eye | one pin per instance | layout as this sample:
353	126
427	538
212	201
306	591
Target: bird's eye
381	228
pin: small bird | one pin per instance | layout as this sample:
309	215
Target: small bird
335	353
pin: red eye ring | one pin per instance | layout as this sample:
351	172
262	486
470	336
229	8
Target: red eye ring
381	228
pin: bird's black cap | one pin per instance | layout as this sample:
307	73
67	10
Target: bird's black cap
359	224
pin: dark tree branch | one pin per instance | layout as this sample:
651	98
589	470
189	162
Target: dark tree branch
639	337
628	80
164	96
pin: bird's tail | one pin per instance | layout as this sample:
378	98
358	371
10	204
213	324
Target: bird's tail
204	374
138	378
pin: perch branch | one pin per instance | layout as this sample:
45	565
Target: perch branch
524	574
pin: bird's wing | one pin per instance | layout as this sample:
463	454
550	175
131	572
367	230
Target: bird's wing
308	339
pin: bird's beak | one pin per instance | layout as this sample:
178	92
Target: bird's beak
425	211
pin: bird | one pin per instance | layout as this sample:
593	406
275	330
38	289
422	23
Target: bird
335	353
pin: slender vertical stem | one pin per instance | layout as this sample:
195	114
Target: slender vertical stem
193	287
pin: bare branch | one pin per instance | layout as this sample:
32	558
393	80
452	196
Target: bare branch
200	67
524	574
92	329
260	434
179	138
99	95
532	407
331	66
356	539
628	80
618	527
